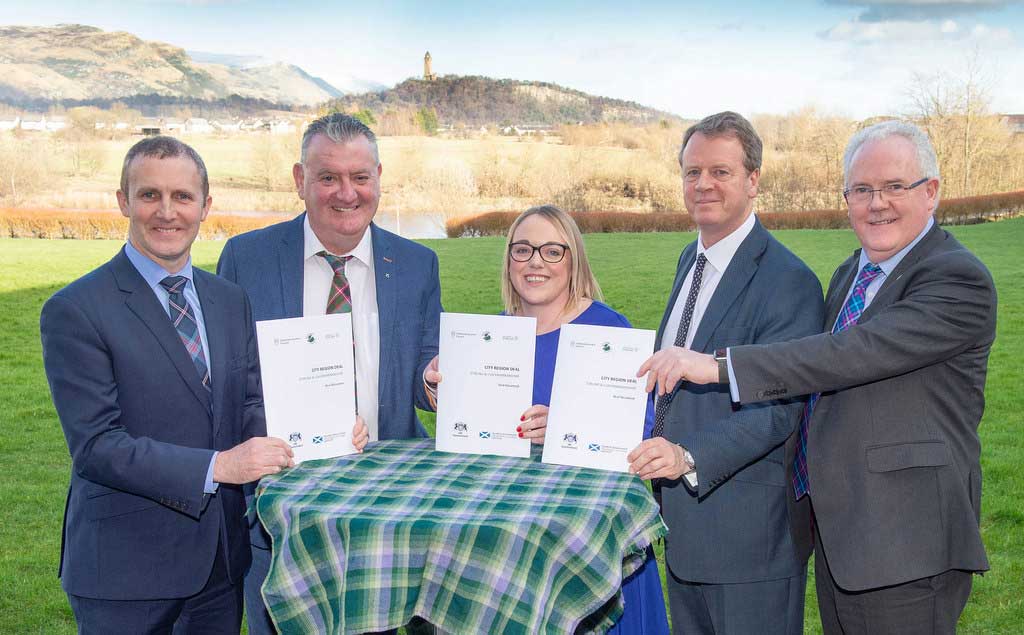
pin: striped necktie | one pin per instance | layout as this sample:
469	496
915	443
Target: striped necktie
847	317
684	329
184	320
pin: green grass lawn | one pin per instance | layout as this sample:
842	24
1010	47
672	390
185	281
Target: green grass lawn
635	271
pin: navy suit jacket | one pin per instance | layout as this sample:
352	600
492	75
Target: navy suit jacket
734	527
141	430
268	264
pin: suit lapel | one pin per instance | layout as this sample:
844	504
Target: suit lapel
734	280
841	281
925	246
686	260
290	263
143	303
215	320
385	272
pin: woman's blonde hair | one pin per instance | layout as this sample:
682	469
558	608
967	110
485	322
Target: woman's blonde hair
582	283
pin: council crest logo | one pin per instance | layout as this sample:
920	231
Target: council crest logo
460	429
569	440
294	439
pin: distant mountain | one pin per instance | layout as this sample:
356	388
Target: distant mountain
476	101
77	62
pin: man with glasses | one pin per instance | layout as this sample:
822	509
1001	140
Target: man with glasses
885	467
733	566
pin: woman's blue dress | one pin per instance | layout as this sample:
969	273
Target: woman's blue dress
641	592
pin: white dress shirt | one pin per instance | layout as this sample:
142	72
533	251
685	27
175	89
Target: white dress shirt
316	287
719	256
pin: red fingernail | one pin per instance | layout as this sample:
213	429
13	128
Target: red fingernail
522	418
520	435
519	429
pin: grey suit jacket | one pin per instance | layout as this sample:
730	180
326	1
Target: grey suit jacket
893	449
734	528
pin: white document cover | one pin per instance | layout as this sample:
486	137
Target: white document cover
486	364
598	404
308	383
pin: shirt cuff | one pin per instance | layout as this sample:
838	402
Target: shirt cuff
734	389
691	477
210	487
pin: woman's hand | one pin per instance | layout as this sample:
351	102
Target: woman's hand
360	434
534	423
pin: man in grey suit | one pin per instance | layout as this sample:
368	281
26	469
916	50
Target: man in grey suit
333	258
733	565
887	458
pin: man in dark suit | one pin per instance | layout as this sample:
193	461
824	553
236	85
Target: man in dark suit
390	284
154	374
733	566
885	467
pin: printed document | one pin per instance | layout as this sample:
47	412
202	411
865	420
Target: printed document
598	404
309	383
486	364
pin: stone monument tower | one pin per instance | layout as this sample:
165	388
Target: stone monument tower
428	74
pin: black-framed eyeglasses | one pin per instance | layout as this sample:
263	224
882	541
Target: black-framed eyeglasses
861	194
549	252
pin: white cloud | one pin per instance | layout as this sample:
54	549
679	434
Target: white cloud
916	10
858	32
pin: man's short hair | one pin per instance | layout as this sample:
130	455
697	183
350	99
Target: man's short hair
339	128
926	159
163	147
729	124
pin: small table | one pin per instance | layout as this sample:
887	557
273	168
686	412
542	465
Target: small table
472	544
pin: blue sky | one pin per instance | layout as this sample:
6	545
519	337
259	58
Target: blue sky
848	57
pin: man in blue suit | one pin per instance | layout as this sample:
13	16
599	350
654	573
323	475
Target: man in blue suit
155	377
332	258
733	565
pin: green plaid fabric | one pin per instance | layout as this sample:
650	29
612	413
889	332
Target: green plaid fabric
472	544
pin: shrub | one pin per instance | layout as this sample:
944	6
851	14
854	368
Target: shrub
34	223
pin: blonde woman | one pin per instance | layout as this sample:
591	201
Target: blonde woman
546	275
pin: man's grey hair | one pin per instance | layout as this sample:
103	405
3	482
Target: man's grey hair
163	147
729	124
339	128
926	160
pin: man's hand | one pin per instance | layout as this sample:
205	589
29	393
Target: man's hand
431	374
252	460
360	434
657	458
669	366
534	423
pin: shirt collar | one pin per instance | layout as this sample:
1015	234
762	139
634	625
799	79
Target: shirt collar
720	254
887	266
152	272
363	252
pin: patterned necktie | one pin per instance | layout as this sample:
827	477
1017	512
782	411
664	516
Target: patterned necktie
185	323
684	329
340	298
847	317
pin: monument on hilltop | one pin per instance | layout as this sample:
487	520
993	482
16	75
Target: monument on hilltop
428	74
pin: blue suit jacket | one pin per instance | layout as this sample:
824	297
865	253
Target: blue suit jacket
734	528
141	430
268	264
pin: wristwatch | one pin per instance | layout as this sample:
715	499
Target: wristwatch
688	461
722	357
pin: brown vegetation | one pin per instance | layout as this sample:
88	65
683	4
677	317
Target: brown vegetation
962	211
36	223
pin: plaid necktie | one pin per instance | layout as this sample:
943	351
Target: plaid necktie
847	318
684	329
185	323
340	298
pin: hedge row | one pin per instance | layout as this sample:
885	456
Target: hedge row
960	211
32	223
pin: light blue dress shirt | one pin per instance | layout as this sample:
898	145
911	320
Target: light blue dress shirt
887	267
153	273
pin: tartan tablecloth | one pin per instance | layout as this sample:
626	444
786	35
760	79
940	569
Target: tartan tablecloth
472	544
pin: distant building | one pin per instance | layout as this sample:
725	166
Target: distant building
198	125
36	123
1014	122
53	124
10	124
428	73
